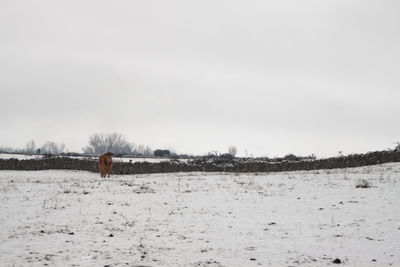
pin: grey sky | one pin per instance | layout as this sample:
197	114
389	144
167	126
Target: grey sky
271	77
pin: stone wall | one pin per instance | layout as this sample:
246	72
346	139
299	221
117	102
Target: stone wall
228	165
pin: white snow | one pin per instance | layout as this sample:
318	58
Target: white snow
66	218
18	156
115	159
132	160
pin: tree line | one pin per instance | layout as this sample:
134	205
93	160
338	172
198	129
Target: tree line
101	143
49	147
116	143
98	144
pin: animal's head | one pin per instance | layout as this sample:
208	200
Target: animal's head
109	154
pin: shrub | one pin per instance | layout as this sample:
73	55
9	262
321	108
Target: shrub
362	183
290	157
227	156
161	153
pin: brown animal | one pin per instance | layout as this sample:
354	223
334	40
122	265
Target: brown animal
105	164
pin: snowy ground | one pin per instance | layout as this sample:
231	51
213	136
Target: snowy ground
133	160
18	156
75	218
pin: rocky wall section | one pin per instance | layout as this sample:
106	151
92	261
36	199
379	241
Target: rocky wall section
229	165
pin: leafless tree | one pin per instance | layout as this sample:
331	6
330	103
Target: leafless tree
214	153
142	150
232	150
51	147
30	147
113	142
7	149
397	148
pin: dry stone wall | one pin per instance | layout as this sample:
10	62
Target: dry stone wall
229	165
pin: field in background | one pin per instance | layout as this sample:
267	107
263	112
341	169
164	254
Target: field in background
124	159
60	218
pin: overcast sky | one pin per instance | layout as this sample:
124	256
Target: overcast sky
270	77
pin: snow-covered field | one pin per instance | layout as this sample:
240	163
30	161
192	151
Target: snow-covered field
132	160
115	159
18	156
75	218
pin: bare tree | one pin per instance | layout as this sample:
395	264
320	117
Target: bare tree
7	149
113	142
142	150
51	147
30	147
397	148
214	153
232	150
147	151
